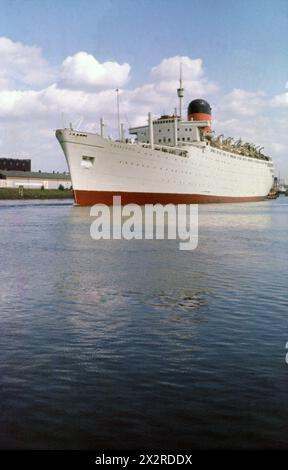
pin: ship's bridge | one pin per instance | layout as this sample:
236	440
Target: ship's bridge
170	130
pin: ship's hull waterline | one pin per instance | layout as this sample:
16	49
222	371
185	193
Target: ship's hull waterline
89	198
190	174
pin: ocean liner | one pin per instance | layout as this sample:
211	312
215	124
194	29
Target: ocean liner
170	160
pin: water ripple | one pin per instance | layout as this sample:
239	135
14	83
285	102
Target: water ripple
136	344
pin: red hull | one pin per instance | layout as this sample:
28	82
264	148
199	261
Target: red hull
89	198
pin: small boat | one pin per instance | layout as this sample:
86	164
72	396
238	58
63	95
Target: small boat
273	195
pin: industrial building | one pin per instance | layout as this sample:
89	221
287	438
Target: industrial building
15	164
37	180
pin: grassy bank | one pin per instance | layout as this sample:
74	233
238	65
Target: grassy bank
15	193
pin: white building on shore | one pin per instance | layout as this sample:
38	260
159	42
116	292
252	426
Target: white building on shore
36	180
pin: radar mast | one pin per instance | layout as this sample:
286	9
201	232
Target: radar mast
180	92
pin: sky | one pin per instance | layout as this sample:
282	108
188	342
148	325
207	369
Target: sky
61	61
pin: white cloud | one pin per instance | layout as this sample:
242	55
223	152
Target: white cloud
159	94
82	70
170	69
255	118
22	65
20	104
278	148
165	77
242	103
281	100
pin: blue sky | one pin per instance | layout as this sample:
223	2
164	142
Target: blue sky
242	46
241	42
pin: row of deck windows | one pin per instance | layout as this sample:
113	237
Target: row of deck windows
169	140
168	130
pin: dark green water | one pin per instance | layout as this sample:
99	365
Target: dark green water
116	344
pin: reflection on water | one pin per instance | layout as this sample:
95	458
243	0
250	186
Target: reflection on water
183	302
132	344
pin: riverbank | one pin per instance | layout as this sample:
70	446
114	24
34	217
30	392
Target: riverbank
25	193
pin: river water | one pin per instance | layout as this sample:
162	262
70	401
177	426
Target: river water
135	344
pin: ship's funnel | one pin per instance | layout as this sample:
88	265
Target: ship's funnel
200	110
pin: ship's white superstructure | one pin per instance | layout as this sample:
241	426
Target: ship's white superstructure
169	161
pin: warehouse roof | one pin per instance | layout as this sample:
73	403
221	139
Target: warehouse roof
34	174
